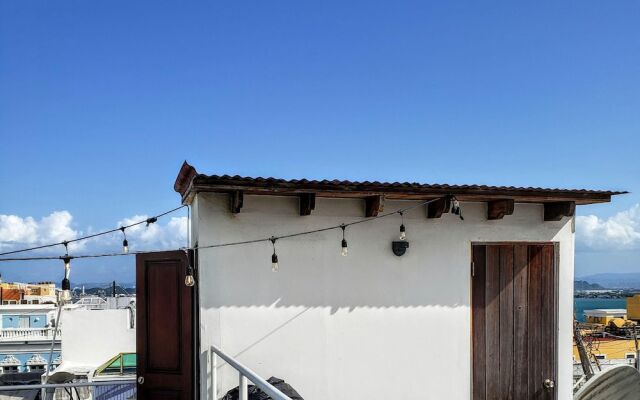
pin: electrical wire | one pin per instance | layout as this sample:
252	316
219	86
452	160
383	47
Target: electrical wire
238	243
65	243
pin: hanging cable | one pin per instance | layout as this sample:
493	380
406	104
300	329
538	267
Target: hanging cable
272	239
65	243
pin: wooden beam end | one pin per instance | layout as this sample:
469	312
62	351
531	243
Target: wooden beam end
374	205
555	211
307	203
497	209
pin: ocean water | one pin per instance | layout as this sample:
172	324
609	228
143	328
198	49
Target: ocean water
579	305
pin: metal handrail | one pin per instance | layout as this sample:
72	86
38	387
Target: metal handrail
67	385
245	373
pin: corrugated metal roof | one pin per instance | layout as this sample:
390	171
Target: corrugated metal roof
188	180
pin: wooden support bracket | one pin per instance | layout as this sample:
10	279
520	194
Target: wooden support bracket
236	199
555	211
307	203
436	208
497	209
374	205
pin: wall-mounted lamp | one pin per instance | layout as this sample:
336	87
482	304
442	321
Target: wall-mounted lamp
399	247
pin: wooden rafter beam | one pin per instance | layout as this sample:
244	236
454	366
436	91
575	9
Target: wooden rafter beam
436	208
236	198
497	209
307	203
374	205
555	211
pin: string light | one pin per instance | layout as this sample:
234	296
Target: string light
345	249
274	256
66	242
272	239
125	243
65	295
189	279
455	207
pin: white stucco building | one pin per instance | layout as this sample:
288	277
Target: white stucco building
472	303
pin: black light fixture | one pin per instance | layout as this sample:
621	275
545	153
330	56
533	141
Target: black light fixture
403	233
65	295
399	247
125	242
189	280
345	249
152	220
274	256
455	207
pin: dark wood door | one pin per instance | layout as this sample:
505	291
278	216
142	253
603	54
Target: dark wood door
514	321
165	350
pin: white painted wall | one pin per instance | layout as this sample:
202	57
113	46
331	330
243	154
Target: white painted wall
92	337
370	325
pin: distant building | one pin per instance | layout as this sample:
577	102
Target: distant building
604	315
27	293
27	325
633	307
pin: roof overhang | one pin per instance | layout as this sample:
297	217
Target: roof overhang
189	182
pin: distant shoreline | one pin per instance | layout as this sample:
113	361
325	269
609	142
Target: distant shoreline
605	293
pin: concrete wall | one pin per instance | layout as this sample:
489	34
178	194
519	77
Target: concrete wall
370	325
92	337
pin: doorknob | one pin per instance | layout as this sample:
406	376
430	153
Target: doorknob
549	384
141	380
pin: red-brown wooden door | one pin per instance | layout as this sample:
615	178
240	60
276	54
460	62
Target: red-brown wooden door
165	351
514	321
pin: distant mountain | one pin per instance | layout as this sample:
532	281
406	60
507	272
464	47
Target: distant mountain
630	280
584	285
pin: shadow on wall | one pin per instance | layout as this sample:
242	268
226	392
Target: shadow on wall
435	271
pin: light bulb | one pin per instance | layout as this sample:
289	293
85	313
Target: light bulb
188	279
125	246
65	296
274	263
345	249
403	233
67	263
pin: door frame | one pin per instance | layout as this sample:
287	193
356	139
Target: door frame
556	300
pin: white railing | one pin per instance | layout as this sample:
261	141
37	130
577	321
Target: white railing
244	375
111	390
21	333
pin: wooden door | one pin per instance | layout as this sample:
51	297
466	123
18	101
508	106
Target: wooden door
164	330
514	321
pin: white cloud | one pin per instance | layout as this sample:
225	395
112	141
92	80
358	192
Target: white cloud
156	236
17	232
621	231
55	227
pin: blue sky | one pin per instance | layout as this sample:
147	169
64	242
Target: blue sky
100	102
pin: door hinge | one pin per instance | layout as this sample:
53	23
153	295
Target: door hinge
473	269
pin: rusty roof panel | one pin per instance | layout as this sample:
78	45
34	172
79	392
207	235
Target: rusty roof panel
189	181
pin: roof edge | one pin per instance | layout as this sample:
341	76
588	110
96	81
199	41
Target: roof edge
185	176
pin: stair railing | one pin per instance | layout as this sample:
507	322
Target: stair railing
245	375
